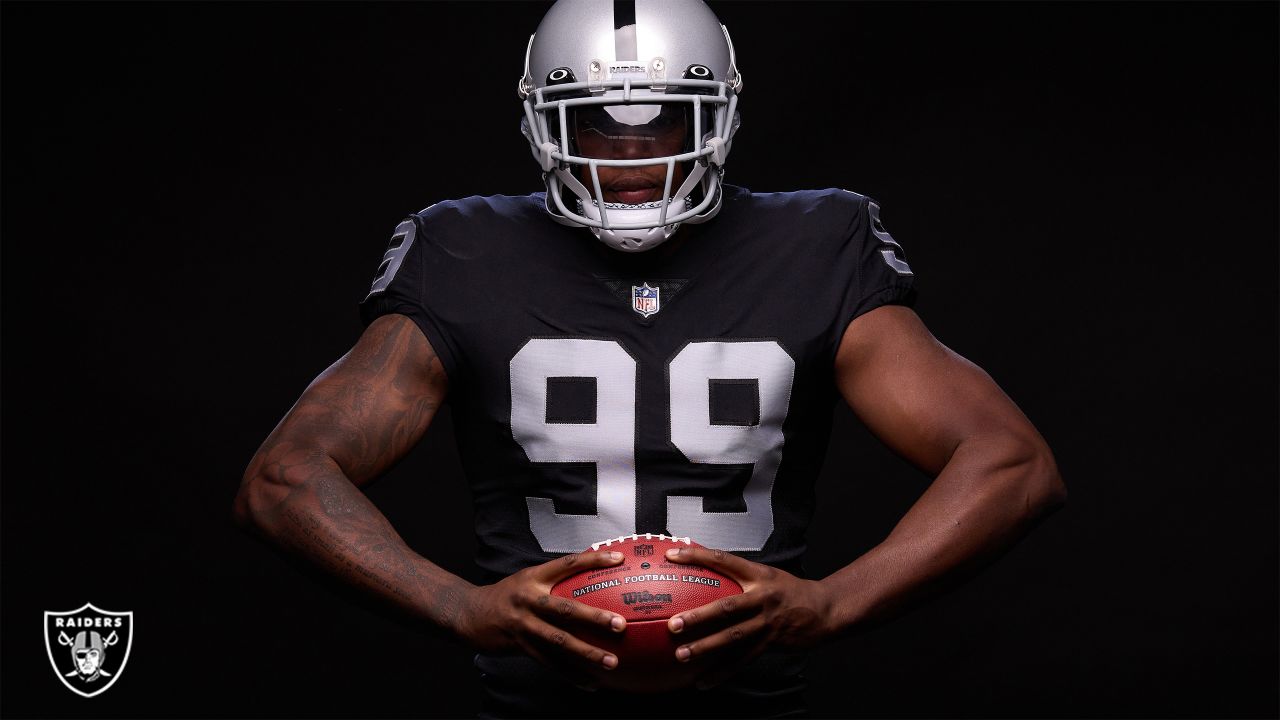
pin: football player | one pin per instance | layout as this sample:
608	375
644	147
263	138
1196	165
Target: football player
643	348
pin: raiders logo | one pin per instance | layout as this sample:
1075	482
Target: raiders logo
88	647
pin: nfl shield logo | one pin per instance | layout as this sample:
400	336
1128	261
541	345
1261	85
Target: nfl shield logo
644	299
88	647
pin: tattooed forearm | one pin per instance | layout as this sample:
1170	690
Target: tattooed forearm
356	420
360	546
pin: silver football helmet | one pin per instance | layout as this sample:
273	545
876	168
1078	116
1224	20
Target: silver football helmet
643	85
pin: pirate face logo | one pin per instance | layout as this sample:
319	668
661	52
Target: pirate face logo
87	651
93	647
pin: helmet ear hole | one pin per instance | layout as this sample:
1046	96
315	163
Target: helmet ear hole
560	76
698	72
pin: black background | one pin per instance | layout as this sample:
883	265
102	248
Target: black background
196	195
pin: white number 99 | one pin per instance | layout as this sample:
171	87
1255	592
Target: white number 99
609	441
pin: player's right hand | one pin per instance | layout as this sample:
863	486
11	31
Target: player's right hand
518	613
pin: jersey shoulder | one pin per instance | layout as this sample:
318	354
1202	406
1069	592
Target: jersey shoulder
446	230
471	214
828	205
441	259
833	238
812	221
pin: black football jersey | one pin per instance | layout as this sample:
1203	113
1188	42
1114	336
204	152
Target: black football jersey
687	390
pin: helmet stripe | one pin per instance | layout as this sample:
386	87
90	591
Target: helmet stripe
624	30
624	13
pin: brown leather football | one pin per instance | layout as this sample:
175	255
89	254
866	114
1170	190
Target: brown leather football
646	589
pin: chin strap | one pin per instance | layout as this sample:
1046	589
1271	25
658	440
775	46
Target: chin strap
638	240
648	215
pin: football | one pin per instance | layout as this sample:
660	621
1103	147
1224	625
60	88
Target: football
646	589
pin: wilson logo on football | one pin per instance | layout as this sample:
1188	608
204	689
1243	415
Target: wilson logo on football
88	647
646	598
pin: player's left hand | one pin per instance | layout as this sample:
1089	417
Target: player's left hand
776	609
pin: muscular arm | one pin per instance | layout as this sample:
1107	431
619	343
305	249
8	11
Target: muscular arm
352	423
994	474
358	418
993	478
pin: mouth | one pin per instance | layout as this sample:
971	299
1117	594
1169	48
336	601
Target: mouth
632	190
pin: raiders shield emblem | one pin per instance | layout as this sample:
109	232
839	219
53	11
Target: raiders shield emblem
88	647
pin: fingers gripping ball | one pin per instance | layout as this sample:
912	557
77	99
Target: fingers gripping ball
646	589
